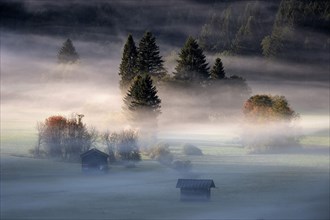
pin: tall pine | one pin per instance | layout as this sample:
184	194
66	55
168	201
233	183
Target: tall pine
128	65
67	54
142	103
192	64
217	71
149	61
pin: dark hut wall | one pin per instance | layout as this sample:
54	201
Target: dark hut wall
94	161
193	194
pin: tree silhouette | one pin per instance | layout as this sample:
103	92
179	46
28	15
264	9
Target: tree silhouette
67	54
217	71
141	102
192	64
149	61
128	65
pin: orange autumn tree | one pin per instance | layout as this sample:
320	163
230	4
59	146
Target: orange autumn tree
269	124
54	135
64	138
267	108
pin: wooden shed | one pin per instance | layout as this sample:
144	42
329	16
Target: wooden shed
195	189
94	160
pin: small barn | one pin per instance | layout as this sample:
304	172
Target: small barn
195	189
94	160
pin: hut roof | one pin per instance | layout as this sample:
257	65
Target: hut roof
93	151
195	183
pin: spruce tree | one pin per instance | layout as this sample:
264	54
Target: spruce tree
217	71
128	68
149	61
192	64
141	102
67	53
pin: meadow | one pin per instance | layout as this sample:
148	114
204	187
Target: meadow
278	186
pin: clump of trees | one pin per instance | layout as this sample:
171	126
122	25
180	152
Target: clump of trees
122	147
276	29
298	30
139	68
67	53
66	139
161	152
267	108
63	138
145	59
269	124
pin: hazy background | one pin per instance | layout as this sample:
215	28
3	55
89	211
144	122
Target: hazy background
34	86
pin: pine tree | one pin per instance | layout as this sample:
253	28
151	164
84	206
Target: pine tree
128	68
217	71
67	53
149	61
141	102
192	64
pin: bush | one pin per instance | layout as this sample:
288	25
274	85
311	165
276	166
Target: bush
270	125
161	153
189	149
181	165
273	144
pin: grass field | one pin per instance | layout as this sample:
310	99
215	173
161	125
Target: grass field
282	186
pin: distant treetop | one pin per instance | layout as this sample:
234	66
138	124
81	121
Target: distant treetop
67	54
192	63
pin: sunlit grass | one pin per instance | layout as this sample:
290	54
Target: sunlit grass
316	141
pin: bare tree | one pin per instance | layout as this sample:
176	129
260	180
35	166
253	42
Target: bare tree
110	140
37	150
122	146
64	138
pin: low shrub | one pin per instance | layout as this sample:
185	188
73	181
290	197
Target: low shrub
161	153
181	165
189	149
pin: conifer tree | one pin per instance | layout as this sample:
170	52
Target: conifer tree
192	64
128	68
217	71
149	61
67	53
141	102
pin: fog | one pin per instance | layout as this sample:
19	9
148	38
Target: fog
254	187
34	87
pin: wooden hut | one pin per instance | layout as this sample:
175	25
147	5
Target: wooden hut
195	189
94	160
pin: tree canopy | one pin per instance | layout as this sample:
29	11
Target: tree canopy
217	71
128	65
142	103
64	138
149	61
267	108
192	64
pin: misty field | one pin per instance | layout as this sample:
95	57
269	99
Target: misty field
283	186
225	79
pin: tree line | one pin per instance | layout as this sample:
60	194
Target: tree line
287	29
